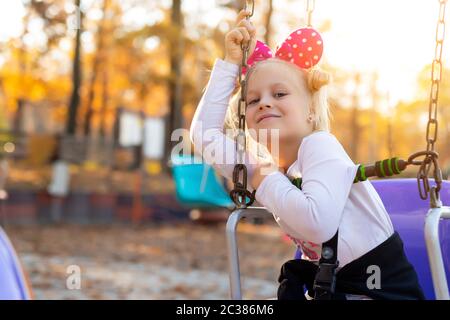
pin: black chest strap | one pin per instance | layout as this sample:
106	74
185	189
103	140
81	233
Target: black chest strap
325	280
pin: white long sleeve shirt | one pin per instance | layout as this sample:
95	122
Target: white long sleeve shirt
328	201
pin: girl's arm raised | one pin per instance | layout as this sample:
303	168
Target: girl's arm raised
206	130
207	125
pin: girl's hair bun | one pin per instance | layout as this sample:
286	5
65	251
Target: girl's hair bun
317	78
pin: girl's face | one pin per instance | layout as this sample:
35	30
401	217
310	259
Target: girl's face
277	98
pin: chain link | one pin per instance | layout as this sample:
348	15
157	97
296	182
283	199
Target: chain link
310	5
432	125
240	195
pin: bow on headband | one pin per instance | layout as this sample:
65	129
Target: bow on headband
302	47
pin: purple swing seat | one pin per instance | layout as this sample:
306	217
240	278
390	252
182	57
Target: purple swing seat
407	211
12	280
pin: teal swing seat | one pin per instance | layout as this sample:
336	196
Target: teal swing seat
197	184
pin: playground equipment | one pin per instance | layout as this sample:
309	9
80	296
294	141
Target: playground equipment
197	185
406	210
13	285
407	214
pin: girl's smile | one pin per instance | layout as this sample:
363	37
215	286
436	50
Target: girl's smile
267	116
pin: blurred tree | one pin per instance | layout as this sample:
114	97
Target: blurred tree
176	47
104	102
354	122
99	56
414	115
373	145
31	54
159	63
76	76
268	25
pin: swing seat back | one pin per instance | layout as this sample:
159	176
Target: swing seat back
197	184
12	280
407	212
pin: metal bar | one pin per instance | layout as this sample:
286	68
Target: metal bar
434	250
233	254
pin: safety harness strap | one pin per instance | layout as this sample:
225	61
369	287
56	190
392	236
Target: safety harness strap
325	280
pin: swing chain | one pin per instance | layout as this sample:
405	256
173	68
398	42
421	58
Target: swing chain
310	5
240	195
431	159
432	125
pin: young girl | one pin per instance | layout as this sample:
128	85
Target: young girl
284	97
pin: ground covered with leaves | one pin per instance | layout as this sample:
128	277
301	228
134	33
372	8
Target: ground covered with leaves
183	261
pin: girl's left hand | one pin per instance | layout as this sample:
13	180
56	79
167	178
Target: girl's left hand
261	171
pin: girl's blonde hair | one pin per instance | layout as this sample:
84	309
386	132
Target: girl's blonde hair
316	82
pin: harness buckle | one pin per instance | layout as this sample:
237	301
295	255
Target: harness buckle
325	280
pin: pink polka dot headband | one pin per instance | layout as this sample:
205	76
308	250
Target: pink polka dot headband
303	47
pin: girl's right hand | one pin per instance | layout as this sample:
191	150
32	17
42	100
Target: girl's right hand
242	33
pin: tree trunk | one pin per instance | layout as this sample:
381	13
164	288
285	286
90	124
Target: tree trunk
104	106
95	70
22	59
389	135
174	117
373	154
354	120
18	118
76	80
268	24
390	141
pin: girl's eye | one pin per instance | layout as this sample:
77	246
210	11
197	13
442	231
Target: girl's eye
277	95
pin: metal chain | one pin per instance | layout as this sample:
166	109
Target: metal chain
310	5
432	125
240	195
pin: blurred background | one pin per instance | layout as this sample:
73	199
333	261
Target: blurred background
91	92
